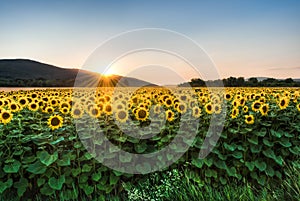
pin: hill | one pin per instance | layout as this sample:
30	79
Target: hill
29	73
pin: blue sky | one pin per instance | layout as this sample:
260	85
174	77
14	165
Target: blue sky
243	38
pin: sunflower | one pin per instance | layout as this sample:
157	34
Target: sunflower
157	109
55	122
236	103
249	119
33	106
181	108
298	107
76	112
170	115
14	107
256	105
141	114
209	108
64	110
107	108
49	109
217	109
283	103
5	116
196	112
235	112
264	109
94	112
245	109
168	102
121	115
22	101
228	96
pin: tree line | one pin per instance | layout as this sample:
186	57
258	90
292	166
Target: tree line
241	82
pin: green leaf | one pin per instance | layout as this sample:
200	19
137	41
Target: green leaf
231	171
269	153
261	180
145	168
13	167
21	186
47	190
198	162
277	134
230	147
76	172
57	141
86	168
5	185
267	142
211	173
113	179
46	158
220	164
37	168
40	181
223	180
250	165
262	132
208	161
96	176
88	190
255	148
140	148
295	150
125	158
253	139
57	184
237	154
270	171
65	161
285	142
261	165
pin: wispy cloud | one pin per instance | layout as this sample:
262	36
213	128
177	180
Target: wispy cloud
283	68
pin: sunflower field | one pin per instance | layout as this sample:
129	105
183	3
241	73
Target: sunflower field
42	153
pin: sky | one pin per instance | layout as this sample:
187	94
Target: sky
257	38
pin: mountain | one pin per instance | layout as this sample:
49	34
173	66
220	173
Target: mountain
29	73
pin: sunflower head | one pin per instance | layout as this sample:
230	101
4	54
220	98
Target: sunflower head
245	109
141	114
249	119
5	116
209	108
283	103
55	122
196	112
77	112
298	107
264	109
235	112
121	115
170	115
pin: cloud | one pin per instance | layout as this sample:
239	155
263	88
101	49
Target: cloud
284	68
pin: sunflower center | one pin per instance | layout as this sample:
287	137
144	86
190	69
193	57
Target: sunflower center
209	107
55	121
142	114
5	116
77	112
122	115
249	119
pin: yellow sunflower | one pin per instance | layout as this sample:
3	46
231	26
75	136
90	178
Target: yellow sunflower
264	109
33	106
283	103
298	107
209	108
94	112
55	122
77	112
245	109
141	114
217	109
5	116
107	108
121	115
196	112
256	105
181	108
235	112
49	109
170	115
249	119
